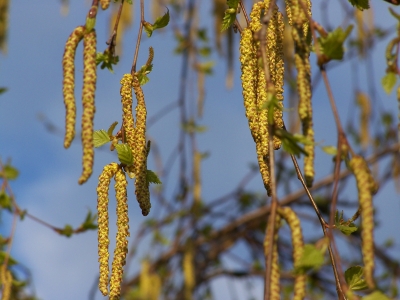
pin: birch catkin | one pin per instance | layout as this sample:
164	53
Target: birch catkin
127	117
298	12
102	221
275	272
298	245
365	186
89	87
121	248
140	150
69	83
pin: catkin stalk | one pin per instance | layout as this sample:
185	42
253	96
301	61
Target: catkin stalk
69	83
88	92
365	188
121	248
140	150
102	221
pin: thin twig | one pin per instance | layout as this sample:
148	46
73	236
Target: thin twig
139	38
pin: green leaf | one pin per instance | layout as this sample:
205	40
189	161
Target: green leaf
332	44
124	154
67	231
354	278
152	177
312	258
377	295
230	14
388	82
161	22
111	128
5	201
11	261
142	74
100	137
347	229
360	4
192	127
9	172
331	150
89	223
148	27
205	51
291	142
107	60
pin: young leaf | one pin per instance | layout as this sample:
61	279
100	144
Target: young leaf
312	258
291	142
3	90
124	154
107	60
377	295
331	150
360	4
67	231
111	128
152	177
230	14
161	22
100	137
388	82
354	278
89	224
9	172
332	44
5	201
347	229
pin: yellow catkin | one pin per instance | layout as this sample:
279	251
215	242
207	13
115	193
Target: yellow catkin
145	280
188	272
299	12
140	150
69	83
298	244
6	281
105	4
363	178
156	284
127	117
275	272
121	248
363	102
88	92
102	221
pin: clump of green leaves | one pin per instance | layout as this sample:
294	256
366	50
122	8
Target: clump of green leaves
161	22
230	14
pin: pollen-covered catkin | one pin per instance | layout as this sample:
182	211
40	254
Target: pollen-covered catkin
121	248
298	245
6	281
363	178
88	92
275	272
298	12
188	271
140	150
69	83
102	221
127	117
104	4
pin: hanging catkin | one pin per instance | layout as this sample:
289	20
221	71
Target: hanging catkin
366	187
121	248
69	83
275	272
140	150
298	245
298	12
88	92
127	117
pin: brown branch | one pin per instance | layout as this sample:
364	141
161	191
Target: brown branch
139	38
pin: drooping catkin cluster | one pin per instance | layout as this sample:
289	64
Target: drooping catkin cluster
150	283
366	186
275	272
256	91
299	12
88	93
363	102
298	245
109	171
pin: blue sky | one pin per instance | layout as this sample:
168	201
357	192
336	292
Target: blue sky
47	187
